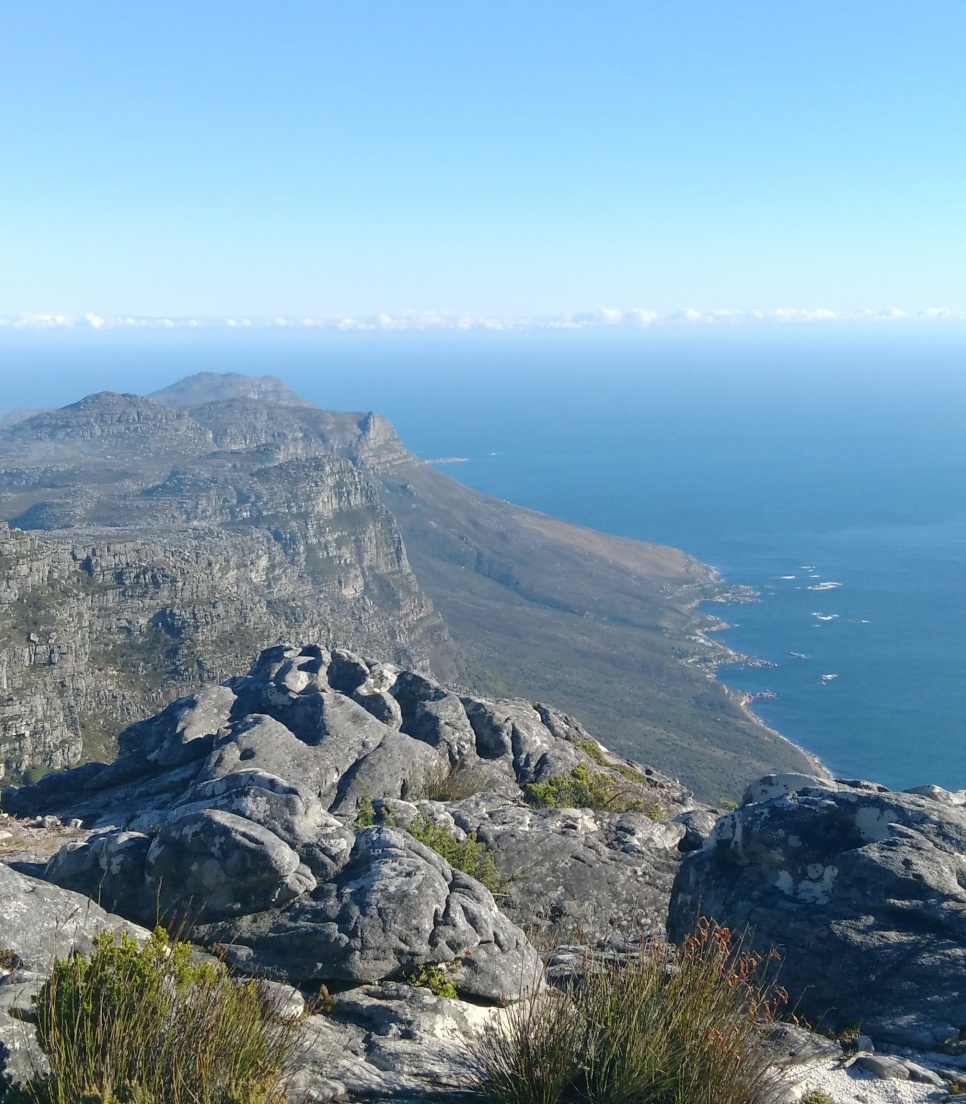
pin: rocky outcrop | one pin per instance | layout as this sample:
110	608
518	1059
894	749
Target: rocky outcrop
237	807
860	890
395	906
590	873
295	819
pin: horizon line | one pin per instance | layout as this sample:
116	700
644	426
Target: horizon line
600	318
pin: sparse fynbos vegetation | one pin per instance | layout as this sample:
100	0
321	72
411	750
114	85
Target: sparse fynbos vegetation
669	1028
585	788
471	855
133	1024
454	783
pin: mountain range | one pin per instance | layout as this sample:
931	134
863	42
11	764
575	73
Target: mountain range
150	545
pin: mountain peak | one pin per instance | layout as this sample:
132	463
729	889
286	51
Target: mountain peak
206	387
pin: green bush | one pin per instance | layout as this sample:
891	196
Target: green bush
437	977
682	1027
144	1024
469	855
365	812
594	751
584	788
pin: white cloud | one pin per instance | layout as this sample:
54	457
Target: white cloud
600	318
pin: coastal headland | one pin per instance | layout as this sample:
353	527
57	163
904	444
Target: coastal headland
150	544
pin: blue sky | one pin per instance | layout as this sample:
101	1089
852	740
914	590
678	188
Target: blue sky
318	159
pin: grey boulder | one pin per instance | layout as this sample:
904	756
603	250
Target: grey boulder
40	921
568	871
213	863
397	905
859	889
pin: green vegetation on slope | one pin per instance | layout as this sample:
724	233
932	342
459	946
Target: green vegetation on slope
584	788
470	855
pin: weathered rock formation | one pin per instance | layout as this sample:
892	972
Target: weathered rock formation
282	816
237	807
861	890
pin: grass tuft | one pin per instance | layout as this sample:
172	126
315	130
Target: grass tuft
683	1027
144	1024
449	783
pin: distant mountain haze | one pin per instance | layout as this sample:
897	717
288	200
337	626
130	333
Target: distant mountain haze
206	387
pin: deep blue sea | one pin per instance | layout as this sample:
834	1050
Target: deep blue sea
787	459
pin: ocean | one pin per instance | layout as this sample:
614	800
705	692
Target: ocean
791	460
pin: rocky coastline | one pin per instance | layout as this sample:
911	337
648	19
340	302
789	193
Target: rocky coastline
721	655
417	841
151	545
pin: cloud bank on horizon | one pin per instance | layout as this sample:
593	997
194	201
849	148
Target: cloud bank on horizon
418	321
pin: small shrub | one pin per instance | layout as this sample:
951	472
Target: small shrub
366	812
681	1027
728	805
436	977
848	1031
470	855
133	1024
449	783
816	1096
584	788
591	749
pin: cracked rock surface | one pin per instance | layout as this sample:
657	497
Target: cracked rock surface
861	891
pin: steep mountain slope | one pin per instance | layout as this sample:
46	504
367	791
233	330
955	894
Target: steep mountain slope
600	626
170	538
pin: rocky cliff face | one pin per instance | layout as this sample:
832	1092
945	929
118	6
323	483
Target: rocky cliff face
150	579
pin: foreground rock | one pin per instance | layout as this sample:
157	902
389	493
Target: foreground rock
600	875
38	922
860	889
236	809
